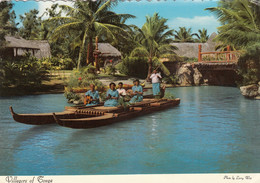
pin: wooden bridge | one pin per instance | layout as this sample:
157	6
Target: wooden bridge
218	67
217	60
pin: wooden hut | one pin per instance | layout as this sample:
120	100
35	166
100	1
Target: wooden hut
17	46
108	53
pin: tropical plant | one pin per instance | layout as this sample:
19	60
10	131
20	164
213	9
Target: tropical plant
240	28
240	21
155	39
133	66
7	21
89	19
31	25
24	71
202	36
183	35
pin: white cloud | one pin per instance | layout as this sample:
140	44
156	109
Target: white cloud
197	22
47	4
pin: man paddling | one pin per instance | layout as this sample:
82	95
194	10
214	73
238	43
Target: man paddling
156	80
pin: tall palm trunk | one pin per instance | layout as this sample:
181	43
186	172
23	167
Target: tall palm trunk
81	49
90	57
150	67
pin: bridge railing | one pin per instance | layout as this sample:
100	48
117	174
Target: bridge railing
218	56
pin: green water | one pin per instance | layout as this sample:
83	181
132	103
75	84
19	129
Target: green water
214	130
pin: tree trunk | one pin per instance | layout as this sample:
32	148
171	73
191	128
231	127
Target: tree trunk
90	57
150	67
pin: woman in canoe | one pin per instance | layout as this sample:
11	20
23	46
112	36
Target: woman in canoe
92	96
137	92
112	96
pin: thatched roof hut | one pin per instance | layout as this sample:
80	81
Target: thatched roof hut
191	50
17	46
107	50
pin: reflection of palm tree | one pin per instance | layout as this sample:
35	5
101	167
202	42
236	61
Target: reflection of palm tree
240	21
203	36
183	35
89	19
154	39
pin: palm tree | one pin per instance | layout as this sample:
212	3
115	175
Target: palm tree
154	39
183	35
89	19
240	21
203	36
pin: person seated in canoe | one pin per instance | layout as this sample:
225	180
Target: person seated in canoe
121	90
137	92
92	96
156	82
112	96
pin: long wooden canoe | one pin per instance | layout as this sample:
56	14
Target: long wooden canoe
46	118
96	118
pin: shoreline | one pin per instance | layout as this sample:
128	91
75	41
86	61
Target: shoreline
61	90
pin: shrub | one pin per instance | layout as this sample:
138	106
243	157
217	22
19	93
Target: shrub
57	63
172	57
25	71
110	70
133	66
249	66
81	79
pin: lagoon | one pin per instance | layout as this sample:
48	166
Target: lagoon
214	130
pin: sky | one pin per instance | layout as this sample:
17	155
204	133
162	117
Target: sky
179	13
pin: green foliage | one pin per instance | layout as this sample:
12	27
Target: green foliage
110	69
58	63
7	21
170	80
24	71
83	27
240	21
172	57
187	59
240	28
249	65
183	35
133	66
81	79
31	25
154	40
168	95
202	37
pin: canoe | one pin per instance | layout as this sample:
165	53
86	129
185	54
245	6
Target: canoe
45	118
97	116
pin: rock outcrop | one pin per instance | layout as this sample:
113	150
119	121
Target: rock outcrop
251	91
188	75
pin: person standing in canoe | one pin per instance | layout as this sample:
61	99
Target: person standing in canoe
112	96
137	92
156	80
92	96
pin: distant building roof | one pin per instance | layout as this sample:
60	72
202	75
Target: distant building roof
107	50
42	45
18	42
191	49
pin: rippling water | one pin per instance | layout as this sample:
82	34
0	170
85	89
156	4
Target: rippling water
214	130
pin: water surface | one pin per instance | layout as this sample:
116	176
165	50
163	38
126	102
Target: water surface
214	130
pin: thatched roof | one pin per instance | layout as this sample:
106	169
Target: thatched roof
191	49
18	42
107	50
42	46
